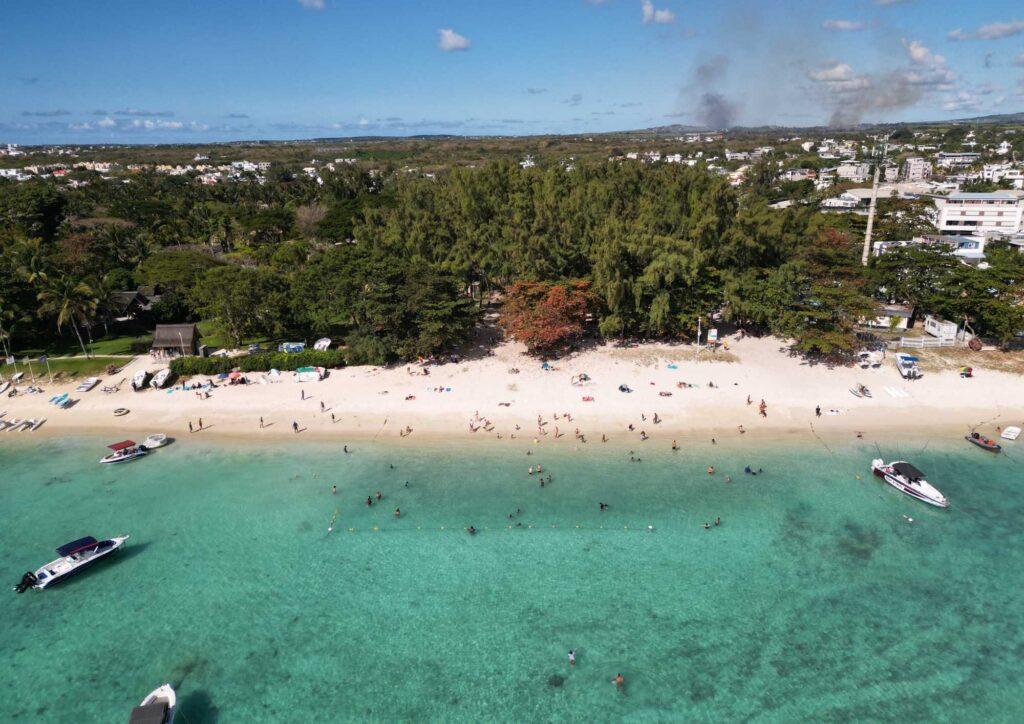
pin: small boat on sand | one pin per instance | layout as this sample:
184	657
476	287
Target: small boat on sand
139	380
985	443
860	390
160	378
1010	433
87	384
157	708
124	451
75	557
906	478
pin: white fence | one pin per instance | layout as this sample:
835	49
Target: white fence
927	342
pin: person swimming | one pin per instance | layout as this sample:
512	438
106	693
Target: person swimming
369	501
471	530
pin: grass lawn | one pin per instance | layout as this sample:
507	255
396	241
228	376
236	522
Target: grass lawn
67	345
215	339
75	367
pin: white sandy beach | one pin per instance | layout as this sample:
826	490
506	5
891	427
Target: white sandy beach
370	402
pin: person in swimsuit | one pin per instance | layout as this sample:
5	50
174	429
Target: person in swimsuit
572	657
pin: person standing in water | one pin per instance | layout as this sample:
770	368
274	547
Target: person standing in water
619	682
334	490
572	657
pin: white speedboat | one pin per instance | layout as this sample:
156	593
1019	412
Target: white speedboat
160	378
1010	433
907	366
75	557
905	477
139	380
157	708
124	451
154	441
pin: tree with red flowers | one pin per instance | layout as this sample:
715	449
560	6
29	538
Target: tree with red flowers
547	316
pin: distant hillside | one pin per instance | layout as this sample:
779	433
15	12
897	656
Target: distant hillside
998	118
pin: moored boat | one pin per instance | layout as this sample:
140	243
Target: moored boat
160	378
907	366
154	441
124	451
985	443
139	380
157	708
906	478
75	557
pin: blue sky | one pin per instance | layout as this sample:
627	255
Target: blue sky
193	70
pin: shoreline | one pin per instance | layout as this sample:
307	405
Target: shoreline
375	404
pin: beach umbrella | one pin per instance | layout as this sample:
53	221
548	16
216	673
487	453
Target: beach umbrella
235	375
222	376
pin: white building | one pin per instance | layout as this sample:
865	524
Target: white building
916	169
999	212
955	159
854	171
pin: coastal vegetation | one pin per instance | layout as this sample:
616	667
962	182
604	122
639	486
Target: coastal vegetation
397	265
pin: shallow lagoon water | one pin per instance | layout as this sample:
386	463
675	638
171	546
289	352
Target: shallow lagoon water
815	598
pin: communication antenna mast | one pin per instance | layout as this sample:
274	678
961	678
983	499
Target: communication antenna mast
878	153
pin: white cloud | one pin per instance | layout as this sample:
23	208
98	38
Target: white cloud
920	54
312	4
838	72
929	68
961	101
449	40
149	125
106	122
992	31
652	15
843	25
364	121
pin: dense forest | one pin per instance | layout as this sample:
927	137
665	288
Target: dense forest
400	264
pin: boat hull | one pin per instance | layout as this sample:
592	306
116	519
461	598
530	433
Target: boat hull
117	544
885	473
113	459
986	444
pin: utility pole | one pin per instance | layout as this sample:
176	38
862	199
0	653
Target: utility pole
866	255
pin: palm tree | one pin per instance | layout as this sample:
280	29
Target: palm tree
72	301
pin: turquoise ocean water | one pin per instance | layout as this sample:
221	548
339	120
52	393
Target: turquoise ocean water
814	600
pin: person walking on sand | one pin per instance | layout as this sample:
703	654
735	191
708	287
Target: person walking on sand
817	411
190	426
200	423
261	422
321	405
302	394
332	418
295	426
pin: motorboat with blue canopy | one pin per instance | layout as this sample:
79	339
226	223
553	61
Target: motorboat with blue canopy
75	557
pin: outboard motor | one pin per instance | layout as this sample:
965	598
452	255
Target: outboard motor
27	581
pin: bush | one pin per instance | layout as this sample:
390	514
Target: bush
191	366
366	349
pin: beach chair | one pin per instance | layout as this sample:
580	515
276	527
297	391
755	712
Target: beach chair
115	388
